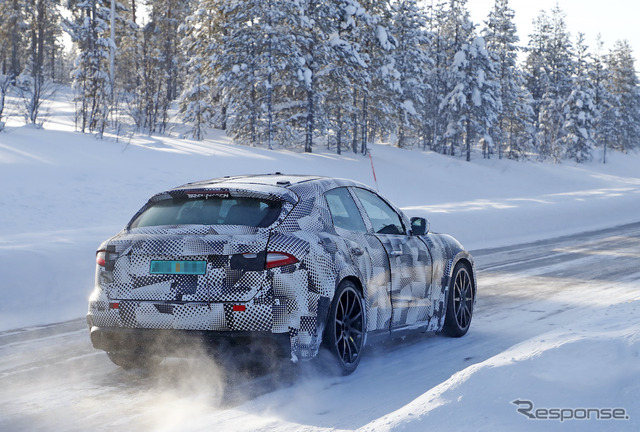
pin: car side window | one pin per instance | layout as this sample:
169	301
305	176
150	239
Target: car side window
383	218
344	212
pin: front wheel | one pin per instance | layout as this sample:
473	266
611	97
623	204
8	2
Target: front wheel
460	303
344	334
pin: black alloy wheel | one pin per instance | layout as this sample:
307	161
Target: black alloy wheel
344	334
460	303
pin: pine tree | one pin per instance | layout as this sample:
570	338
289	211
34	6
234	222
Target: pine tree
474	102
345	75
580	110
259	61
13	44
89	30
35	81
606	103
328	67
5	83
624	85
201	38
379	96
513	129
434	120
128	61
456	34
161	61
408	27
550	69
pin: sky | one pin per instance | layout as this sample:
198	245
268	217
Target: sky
613	19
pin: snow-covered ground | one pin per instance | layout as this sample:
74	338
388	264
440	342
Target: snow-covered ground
62	193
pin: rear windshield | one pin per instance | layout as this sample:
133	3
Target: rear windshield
254	212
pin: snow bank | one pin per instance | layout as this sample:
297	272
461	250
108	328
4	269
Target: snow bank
570	379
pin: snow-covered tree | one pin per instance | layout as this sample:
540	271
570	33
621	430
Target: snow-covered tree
259	61
434	120
625	86
312	31
550	69
199	101
128	60
13	44
195	104
89	29
379	93
474	102
455	34
41	20
161	61
345	75
580	110
342	73
512	134
606	103
328	40
411	59
5	83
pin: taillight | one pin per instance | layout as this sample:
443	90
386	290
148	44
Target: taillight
279	259
101	258
106	258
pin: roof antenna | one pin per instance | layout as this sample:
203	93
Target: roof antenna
373	170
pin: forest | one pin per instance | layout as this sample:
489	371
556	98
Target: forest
341	74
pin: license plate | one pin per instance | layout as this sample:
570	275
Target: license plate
178	267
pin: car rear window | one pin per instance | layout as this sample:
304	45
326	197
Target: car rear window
254	212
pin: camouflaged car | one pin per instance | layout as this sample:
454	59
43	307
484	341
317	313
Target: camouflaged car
298	262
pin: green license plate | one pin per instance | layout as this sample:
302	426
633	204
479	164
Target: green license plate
178	267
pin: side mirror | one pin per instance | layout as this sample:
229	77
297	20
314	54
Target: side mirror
419	226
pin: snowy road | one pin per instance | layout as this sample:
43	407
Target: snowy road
52	379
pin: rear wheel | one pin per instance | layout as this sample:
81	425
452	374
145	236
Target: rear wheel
344	334
460	303
134	360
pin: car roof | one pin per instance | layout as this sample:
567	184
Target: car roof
276	179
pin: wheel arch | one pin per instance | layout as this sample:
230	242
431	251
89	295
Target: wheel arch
465	258
462	257
365	304
467	261
356	282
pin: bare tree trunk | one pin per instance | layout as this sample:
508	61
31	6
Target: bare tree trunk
133	11
14	68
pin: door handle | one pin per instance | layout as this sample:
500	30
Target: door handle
357	251
395	252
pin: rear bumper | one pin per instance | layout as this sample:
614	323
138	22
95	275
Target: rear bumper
182	343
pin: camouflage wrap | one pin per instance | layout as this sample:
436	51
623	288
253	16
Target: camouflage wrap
404	278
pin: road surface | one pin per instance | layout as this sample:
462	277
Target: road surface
52	379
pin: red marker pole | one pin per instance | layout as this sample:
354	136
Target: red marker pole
373	170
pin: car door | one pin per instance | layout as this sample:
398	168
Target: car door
410	262
367	252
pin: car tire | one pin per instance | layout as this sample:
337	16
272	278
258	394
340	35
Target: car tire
134	360
346	325
460	302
